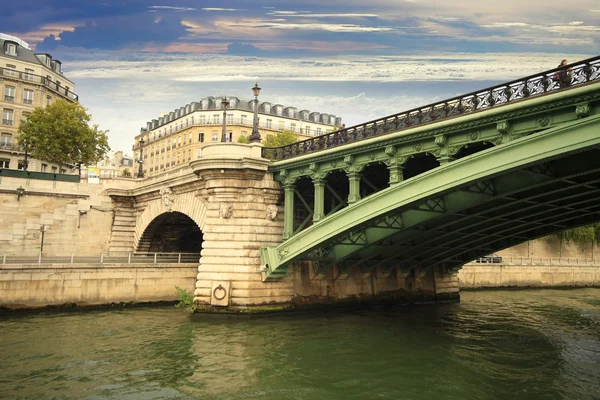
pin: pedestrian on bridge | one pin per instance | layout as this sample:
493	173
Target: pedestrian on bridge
564	75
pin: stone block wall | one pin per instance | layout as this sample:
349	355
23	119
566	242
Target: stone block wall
30	286
78	217
473	276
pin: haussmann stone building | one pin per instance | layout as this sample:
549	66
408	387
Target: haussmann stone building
28	80
176	138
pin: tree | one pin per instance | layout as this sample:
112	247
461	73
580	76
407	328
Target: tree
282	138
244	139
61	134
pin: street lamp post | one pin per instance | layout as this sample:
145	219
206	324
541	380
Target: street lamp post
141	160
26	160
255	137
224	105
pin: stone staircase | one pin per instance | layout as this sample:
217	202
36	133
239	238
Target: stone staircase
123	230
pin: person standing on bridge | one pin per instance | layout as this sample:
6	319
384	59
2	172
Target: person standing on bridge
564	75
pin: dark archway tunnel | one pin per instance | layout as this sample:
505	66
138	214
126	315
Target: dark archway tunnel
171	232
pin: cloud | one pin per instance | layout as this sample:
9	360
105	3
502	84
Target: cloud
222	9
322	27
243	49
178	9
117	33
307	14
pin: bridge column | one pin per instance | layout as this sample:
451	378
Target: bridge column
319	209
288	216
354	192
396	174
445	159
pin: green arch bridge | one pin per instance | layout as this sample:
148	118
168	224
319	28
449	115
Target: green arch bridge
444	184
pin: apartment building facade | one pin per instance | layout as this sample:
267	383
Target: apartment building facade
178	137
27	80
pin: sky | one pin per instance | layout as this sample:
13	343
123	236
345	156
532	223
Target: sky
360	60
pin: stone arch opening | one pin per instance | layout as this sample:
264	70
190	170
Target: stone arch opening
171	232
418	164
375	177
473	148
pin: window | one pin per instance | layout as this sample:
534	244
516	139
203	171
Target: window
215	136
190	137
189	155
244	122
244	133
48	100
281	125
269	123
11	70
21	164
216	118
63	171
199	155
9	93
54	170
192	120
230	118
179	141
11	49
308	130
203	119
319	131
293	127
27	96
28	74
24	116
201	137
44	167
4	163
7	117
230	136
5	139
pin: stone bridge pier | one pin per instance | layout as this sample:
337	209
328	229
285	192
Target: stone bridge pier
227	206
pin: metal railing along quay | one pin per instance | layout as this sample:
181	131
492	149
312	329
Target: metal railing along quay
103	258
541	261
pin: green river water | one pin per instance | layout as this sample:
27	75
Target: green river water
527	344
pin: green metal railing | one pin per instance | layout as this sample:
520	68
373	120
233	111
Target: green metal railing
148	258
45	176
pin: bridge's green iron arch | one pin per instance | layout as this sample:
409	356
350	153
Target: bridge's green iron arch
523	189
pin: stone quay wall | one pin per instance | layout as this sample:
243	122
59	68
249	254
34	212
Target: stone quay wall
479	276
77	217
32	286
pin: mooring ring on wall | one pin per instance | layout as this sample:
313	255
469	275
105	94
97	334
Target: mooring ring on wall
215	292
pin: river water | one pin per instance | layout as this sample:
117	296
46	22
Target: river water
527	344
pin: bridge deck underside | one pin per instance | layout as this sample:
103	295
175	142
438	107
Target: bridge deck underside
474	220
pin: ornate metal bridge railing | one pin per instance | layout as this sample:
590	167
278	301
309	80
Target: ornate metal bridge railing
574	74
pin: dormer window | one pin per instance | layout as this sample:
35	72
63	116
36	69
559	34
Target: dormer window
10	48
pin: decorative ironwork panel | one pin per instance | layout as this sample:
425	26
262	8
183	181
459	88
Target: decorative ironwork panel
534	85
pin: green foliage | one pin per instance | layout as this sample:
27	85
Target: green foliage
185	300
126	172
244	139
61	134
282	138
582	234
